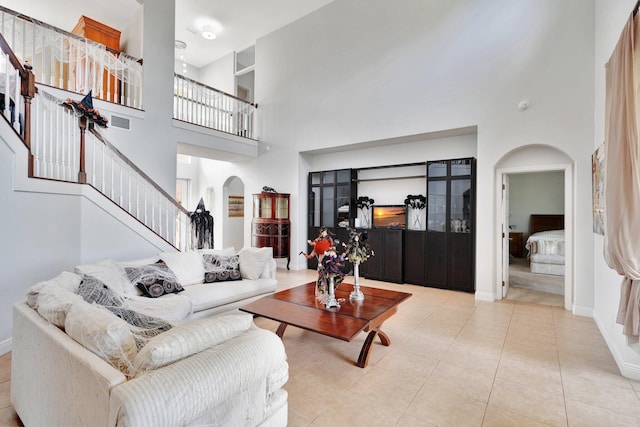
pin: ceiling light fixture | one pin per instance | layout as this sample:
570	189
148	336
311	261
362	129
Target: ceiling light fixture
180	45
207	32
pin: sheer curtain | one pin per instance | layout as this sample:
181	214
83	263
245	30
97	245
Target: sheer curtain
622	178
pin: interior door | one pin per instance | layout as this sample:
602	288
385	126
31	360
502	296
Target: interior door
505	235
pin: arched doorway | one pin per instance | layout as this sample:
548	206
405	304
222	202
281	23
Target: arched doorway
233	219
532	159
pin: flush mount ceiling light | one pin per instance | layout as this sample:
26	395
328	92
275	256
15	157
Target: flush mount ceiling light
207	32
180	45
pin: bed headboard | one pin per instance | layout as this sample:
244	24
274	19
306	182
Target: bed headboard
545	223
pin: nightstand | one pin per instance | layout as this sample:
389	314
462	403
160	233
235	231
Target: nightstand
516	247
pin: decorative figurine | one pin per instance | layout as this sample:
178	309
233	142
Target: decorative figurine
84	108
320	244
331	276
201	228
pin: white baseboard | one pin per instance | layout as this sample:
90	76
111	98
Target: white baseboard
583	311
627	370
485	296
5	346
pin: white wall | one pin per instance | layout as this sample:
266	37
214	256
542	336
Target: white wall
610	19
190	171
365	72
40	236
156	155
131	37
534	193
220	74
186	69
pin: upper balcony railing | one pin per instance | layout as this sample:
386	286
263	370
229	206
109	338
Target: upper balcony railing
196	103
73	63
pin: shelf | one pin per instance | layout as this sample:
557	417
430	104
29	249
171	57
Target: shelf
395	178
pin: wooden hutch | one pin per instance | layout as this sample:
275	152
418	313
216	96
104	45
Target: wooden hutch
270	226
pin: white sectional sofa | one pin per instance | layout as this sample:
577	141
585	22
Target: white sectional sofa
256	266
77	361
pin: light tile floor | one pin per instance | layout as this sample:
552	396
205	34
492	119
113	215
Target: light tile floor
453	361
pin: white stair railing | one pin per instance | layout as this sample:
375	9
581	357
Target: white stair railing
57	154
73	63
196	103
11	104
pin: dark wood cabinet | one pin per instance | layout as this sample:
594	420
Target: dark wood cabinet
270	226
387	263
516	247
441	256
331	204
414	257
110	37
450	254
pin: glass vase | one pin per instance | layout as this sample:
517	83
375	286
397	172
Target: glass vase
331	301
356	294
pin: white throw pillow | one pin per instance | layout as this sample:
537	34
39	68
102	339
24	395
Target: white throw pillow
108	272
103	333
65	280
187	266
54	302
189	338
253	260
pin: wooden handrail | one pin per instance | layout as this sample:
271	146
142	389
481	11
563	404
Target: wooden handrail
180	76
27	90
125	159
12	56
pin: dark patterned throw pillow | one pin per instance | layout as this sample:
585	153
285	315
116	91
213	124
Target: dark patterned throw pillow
221	268
93	290
154	280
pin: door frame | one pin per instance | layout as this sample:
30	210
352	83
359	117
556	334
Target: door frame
504	233
567	168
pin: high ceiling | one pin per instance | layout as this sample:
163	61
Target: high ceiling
237	23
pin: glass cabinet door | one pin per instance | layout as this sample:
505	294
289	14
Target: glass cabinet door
461	167
264	210
460	207
437	205
437	169
314	207
282	207
328	203
343	199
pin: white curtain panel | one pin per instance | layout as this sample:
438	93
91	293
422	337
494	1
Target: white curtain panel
622	179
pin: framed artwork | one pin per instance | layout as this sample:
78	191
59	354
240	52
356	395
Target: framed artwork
236	206
597	183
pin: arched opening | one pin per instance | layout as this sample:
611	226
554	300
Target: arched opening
534	161
233	213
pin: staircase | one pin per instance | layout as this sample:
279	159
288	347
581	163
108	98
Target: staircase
65	146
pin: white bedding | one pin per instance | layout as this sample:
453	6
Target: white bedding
546	252
546	243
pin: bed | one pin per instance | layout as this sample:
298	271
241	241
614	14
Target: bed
546	244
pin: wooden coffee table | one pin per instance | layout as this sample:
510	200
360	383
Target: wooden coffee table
298	307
